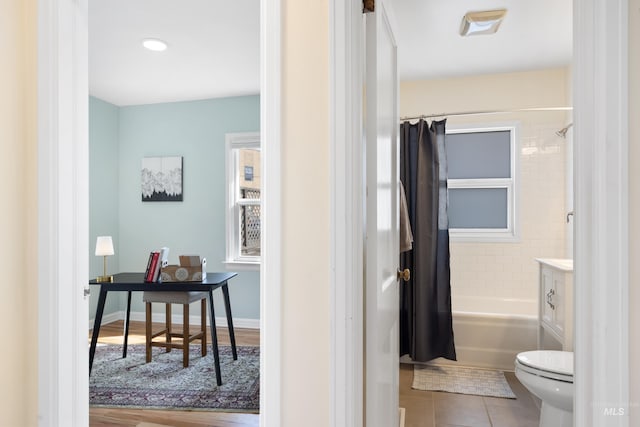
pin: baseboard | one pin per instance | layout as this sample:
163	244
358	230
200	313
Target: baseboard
489	358
108	318
473	357
176	319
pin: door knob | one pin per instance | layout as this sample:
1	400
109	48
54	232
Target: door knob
404	274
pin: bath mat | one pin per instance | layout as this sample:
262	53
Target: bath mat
454	379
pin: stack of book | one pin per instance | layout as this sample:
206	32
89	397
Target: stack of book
157	260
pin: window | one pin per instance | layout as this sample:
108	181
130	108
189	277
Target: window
482	170
243	199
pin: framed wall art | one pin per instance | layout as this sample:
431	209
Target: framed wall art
161	179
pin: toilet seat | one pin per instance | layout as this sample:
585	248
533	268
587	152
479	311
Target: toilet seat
555	365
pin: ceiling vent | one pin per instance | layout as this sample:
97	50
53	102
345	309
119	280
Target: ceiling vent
484	22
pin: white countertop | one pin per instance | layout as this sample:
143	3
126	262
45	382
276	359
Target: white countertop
559	263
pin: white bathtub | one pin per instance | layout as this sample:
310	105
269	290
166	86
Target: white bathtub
494	307
490	332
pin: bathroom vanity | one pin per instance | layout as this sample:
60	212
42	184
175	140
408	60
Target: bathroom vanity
555	312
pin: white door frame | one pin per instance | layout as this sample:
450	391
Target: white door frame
347	198
271	265
600	91
63	213
63	203
601	219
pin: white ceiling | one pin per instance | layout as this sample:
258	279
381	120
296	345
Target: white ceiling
214	45
535	34
214	50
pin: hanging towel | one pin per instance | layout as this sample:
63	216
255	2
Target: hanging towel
406	236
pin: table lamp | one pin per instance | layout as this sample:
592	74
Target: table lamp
104	247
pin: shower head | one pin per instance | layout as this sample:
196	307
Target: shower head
563	132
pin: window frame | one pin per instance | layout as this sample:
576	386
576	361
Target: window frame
489	235
234	260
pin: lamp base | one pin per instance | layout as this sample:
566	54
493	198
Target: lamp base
104	279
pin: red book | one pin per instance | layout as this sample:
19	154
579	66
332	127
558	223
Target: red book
146	271
154	265
156	273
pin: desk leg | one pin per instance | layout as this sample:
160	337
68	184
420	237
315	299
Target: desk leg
96	325
126	325
227	308
214	339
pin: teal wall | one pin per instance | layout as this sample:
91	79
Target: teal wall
103	192
196	131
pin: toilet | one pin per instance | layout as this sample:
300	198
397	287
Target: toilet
549	376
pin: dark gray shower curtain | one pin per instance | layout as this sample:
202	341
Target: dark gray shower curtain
426	330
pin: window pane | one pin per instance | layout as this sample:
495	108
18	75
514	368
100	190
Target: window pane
250	230
248	193
249	173
479	155
478	208
249	188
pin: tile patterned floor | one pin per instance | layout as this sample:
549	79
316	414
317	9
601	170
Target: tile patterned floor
437	409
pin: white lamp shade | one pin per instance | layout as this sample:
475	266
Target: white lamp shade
104	246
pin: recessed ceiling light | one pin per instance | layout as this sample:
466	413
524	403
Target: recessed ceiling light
485	22
154	44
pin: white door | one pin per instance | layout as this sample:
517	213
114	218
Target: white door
382	241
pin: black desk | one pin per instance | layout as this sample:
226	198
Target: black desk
130	282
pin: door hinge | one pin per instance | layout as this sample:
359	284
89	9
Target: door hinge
368	6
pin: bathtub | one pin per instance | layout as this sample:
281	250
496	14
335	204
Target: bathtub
494	307
490	332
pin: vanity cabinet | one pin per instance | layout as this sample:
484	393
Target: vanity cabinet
555	313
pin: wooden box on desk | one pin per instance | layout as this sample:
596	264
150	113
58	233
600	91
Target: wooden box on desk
179	273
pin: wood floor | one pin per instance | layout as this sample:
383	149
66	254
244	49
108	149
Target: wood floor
105	417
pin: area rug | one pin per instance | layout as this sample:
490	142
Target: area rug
453	379
164	384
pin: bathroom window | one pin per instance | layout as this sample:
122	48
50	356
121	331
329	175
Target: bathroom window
482	166
243	200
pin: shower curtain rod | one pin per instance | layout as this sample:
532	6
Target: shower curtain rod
480	112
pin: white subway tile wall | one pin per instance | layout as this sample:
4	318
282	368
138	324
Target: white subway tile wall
509	270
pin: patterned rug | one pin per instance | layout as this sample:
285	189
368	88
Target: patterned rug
164	384
453	379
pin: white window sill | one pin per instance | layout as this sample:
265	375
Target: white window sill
242	265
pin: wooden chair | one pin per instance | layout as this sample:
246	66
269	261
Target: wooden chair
168	298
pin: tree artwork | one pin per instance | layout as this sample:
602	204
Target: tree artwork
161	179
